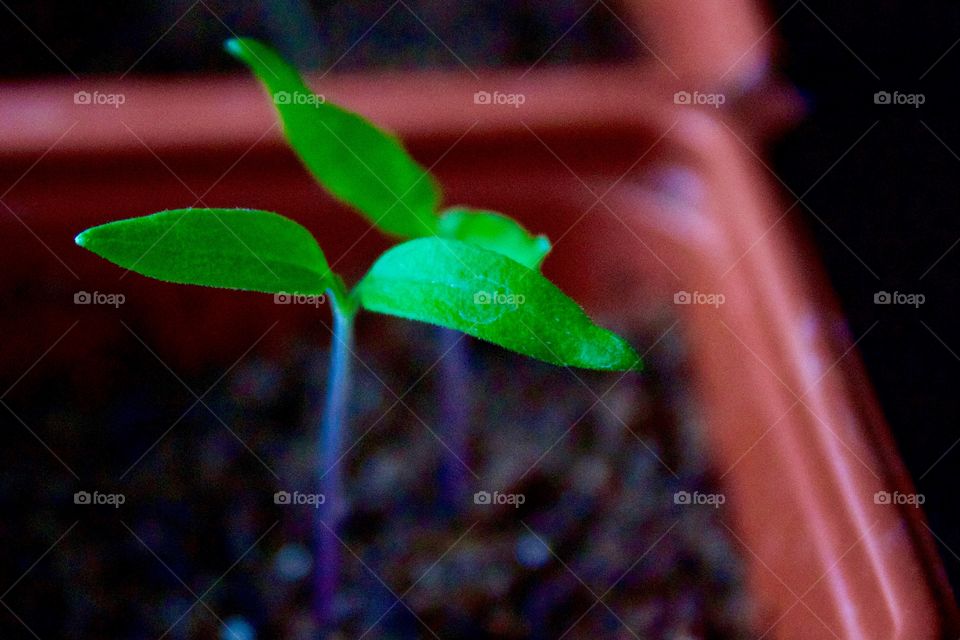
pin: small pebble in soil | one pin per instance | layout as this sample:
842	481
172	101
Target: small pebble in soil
237	628
292	562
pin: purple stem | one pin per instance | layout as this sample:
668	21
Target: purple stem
333	427
455	398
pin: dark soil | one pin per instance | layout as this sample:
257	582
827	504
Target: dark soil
599	548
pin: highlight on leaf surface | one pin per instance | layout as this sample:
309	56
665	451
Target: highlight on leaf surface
489	296
360	164
496	232
229	248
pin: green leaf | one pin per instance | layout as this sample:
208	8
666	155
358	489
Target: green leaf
358	163
496	232
228	248
489	296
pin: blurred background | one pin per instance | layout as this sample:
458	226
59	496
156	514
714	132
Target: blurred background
876	183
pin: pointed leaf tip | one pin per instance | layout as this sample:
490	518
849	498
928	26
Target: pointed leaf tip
232	46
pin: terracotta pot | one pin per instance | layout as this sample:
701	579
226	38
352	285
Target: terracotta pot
792	425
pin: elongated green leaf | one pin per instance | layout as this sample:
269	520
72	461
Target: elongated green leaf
496	232
492	297
228	248
357	162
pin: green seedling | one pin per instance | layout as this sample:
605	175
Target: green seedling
466	270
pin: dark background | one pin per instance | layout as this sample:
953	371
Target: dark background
884	218
893	201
